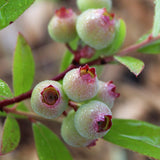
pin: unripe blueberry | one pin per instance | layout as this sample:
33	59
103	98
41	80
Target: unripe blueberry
70	134
93	120
106	93
81	84
48	99
62	28
94	4
96	27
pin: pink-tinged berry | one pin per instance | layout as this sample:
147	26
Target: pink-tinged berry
62	28
107	93
93	120
70	134
96	27
94	4
81	84
48	99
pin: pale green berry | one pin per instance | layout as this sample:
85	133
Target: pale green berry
106	93
81	84
48	99
62	28
94	4
70	134
93	120
96	27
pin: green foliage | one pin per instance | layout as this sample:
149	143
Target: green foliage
48	145
10	10
134	65
136	135
156	24
152	48
11	135
5	91
23	67
3	3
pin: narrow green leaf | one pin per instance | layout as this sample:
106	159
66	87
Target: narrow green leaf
68	56
135	135
134	65
48	145
11	135
10	10
156	24
23	67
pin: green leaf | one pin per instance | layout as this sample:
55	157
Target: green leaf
135	135
48	145
156	24
11	136
23	67
134	65
152	48
5	93
3	3
68	56
66	60
10	10
117	42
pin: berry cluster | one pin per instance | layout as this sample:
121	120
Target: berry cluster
95	26
94	100
98	31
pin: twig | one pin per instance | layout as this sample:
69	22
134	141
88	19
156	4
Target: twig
74	52
98	61
74	105
26	114
135	47
28	94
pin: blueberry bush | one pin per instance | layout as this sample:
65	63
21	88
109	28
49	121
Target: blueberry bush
93	38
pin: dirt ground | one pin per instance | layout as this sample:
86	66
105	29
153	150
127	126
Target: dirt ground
139	95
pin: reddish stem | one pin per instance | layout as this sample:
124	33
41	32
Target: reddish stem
100	61
65	113
28	94
74	52
135	47
73	105
76	60
19	98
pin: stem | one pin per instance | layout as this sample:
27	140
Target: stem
29	115
74	105
134	47
17	99
100	61
28	94
74	52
